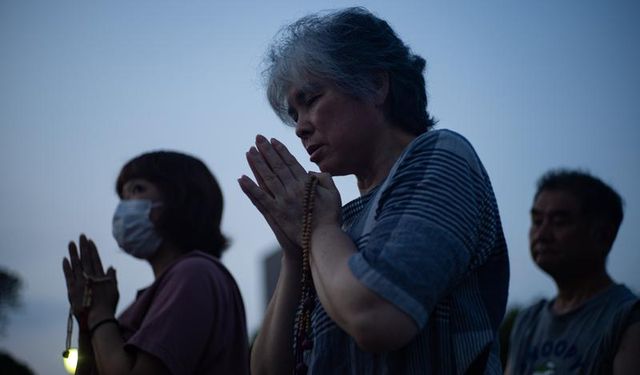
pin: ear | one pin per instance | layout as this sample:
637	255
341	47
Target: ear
381	86
603	234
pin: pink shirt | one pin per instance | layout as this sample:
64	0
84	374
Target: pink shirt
191	318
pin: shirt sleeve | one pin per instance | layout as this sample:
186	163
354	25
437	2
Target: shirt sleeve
521	332
436	220
626	315
178	324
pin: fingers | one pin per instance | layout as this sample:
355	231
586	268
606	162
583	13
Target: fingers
325	180
274	160
274	167
268	179
278	188
74	279
88	262
289	160
111	273
257	196
68	273
85	256
260	200
328	196
73	255
256	163
95	258
76	265
89	257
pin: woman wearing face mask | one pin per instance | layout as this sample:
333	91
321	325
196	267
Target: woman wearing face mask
191	319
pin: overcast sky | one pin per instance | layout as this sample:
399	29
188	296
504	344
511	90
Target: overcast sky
84	87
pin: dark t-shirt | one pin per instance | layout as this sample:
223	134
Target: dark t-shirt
583	341
191	318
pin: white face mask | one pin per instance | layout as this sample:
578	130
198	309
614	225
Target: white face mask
133	230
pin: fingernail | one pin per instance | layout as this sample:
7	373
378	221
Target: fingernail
253	151
261	139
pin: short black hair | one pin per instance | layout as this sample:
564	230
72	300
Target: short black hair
192	199
597	199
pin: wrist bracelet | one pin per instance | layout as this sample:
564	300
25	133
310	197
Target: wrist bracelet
103	321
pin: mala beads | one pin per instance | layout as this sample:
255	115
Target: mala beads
67	346
87	297
302	329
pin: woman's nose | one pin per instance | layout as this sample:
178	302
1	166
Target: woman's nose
304	127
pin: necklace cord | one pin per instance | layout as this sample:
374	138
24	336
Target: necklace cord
86	305
302	340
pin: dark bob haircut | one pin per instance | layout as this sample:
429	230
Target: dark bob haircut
192	199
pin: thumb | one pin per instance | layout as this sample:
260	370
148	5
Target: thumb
111	273
325	180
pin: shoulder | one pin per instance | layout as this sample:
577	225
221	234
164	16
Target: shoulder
627	343
442	139
620	303
198	266
622	293
199	277
628	305
194	262
442	146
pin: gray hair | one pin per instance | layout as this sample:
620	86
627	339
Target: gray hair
349	47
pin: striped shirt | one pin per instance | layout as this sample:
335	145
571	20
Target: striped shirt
430	242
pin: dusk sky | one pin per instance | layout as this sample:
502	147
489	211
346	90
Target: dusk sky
85	86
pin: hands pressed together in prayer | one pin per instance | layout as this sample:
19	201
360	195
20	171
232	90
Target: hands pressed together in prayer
93	294
279	189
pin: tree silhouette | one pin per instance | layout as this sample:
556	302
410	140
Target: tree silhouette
10	285
9	366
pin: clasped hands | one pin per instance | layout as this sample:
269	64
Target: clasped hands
279	190
93	294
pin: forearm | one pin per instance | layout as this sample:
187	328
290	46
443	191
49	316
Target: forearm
108	348
272	351
351	304
332	278
86	361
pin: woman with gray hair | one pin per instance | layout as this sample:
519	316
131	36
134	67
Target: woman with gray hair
412	276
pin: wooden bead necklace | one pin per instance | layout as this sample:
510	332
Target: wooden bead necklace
302	340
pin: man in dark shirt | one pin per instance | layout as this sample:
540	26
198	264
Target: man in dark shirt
592	326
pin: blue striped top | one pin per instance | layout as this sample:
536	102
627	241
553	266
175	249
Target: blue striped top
430	242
